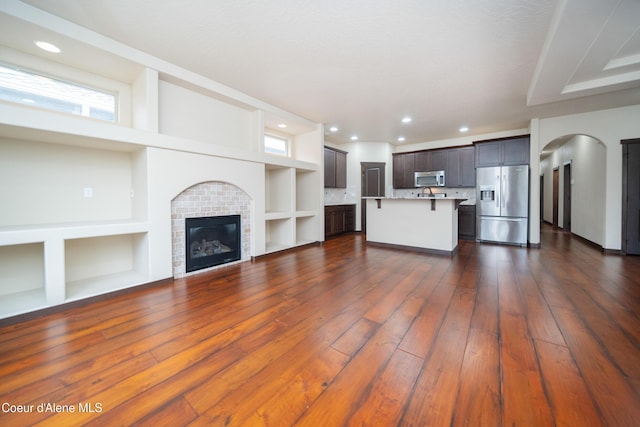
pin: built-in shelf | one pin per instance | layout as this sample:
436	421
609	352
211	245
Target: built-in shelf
20	234
269	216
307	200
22	302
302	214
306	230
25	123
279	234
103	260
98	285
291	207
87	226
278	189
22	282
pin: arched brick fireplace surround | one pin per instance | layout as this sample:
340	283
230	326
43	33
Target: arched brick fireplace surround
207	199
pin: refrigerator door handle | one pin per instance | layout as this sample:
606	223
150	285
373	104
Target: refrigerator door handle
498	191
503	188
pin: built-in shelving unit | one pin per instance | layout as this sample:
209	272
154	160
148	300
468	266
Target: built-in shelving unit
86	203
291	209
95	265
278	197
22	288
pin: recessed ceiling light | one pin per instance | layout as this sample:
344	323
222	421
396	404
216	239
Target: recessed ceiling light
463	129
282	126
48	47
354	138
333	129
406	120
401	139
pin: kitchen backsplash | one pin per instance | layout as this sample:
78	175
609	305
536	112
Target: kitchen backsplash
341	196
468	193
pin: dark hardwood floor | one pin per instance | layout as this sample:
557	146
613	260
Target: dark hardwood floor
345	334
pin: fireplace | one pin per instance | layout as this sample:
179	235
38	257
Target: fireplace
212	241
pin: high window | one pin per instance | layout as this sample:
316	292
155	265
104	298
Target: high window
28	88
276	145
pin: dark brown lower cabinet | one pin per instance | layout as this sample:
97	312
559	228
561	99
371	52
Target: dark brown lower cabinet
339	219
467	222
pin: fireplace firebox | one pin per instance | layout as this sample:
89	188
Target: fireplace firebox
212	241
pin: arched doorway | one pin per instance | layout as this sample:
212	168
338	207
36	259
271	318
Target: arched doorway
573	171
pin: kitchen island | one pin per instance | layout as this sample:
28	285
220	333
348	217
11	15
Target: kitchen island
419	223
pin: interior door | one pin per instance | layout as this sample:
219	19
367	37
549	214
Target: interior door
541	198
631	197
566	197
556	191
373	180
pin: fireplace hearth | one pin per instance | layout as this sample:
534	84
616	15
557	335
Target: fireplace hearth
212	241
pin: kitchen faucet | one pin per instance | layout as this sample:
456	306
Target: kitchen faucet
430	192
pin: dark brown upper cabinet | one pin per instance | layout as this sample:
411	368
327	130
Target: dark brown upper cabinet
403	169
457	163
503	152
439	159
335	168
467	167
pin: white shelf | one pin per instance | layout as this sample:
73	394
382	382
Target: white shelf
275	247
304	242
292	207
279	234
306	230
96	265
307	200
16	235
22	302
279	189
304	214
20	122
93	286
270	216
22	283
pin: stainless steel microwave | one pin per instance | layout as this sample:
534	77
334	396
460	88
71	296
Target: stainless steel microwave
429	179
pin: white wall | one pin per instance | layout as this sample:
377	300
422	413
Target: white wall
192	115
609	127
144	101
43	183
170	172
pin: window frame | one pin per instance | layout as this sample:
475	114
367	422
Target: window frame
276	136
65	81
119	84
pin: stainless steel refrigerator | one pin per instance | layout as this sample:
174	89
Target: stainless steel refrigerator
502	204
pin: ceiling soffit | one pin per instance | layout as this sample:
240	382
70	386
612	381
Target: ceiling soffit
605	58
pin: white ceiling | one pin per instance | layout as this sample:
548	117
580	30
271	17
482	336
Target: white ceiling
362	65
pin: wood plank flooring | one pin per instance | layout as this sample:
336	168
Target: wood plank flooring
346	335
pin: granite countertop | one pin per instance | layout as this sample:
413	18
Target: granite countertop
340	204
417	198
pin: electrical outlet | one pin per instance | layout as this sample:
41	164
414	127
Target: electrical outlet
88	192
